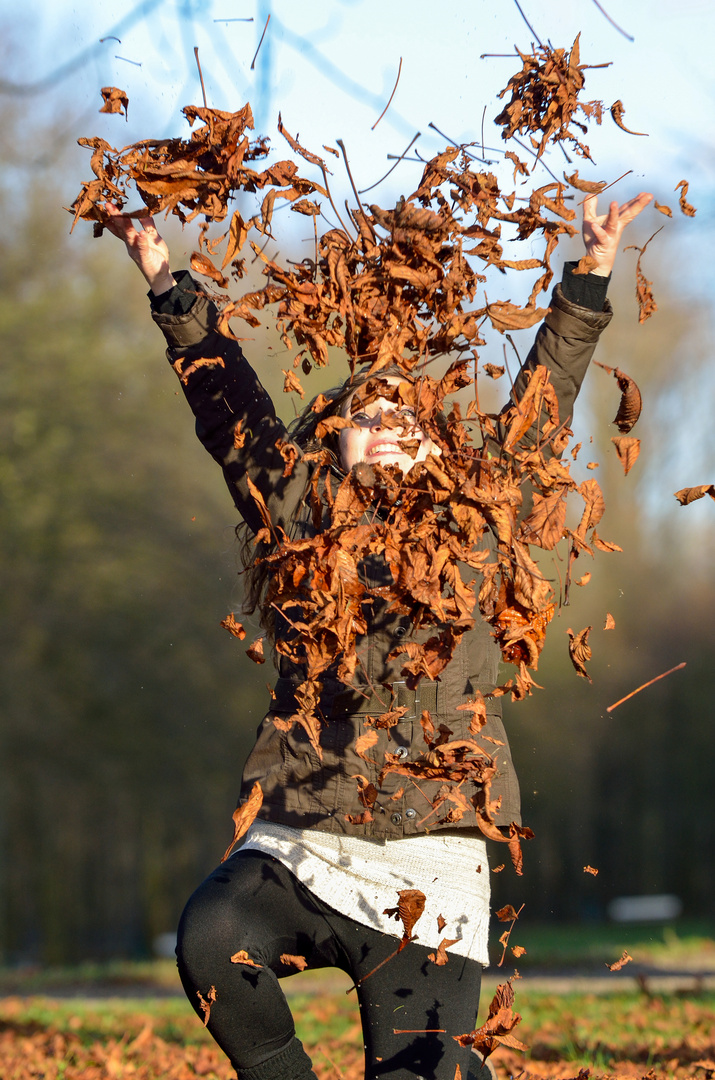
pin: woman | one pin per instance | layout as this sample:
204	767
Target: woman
315	880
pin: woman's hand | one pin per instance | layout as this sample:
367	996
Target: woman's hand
145	248
602	234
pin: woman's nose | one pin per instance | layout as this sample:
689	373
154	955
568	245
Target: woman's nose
376	421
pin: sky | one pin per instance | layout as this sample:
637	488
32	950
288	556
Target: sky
329	66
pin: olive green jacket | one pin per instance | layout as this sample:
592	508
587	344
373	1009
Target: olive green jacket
298	788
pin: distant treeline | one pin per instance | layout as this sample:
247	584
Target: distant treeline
126	711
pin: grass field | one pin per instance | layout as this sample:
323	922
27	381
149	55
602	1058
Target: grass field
122	1020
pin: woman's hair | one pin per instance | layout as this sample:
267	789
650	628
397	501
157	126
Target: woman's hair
302	432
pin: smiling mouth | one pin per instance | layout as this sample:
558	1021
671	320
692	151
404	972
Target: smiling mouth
385	448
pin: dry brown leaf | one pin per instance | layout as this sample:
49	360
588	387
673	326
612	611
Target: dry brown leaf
618	112
207	1002
610	622
242	957
494	371
255	651
580	651
628	448
590	870
233	626
244	816
298	962
201	264
440	957
691	494
115	101
624	959
685	206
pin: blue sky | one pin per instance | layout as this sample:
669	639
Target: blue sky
330	65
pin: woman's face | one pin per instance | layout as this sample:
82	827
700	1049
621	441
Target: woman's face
381	427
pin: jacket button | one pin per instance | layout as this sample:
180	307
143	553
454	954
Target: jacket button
396	819
402	752
410	814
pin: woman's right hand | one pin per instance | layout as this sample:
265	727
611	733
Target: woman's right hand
146	248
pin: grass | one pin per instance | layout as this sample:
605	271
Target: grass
128	1019
614	1033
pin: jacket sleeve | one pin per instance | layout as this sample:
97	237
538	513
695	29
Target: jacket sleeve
565	344
235	417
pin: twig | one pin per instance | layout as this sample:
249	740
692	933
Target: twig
484	113
234	20
400	158
528	23
419	1031
253	62
462	146
608	185
507	935
127	61
644	686
613	23
399	72
198	64
341	144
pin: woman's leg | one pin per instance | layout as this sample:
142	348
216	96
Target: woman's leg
252	902
405	1004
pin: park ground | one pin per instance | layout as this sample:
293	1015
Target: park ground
653	1019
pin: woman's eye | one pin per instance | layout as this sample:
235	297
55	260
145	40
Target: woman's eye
407	414
360	417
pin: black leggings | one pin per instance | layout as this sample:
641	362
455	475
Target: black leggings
253	902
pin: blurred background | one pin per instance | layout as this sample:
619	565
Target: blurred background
125	710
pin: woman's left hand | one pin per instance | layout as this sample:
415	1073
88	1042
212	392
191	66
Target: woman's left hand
602	233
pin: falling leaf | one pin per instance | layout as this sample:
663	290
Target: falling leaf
692	494
244	816
631	402
584	580
207	1002
593	187
590	870
409	909
518	951
255	651
441	923
298	962
497	869
663	209
507	914
440	958
115	101
628	449
625	959
580	651
610	622
242	957
234	628
687	209
292	383
204	266
494	371
618	112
